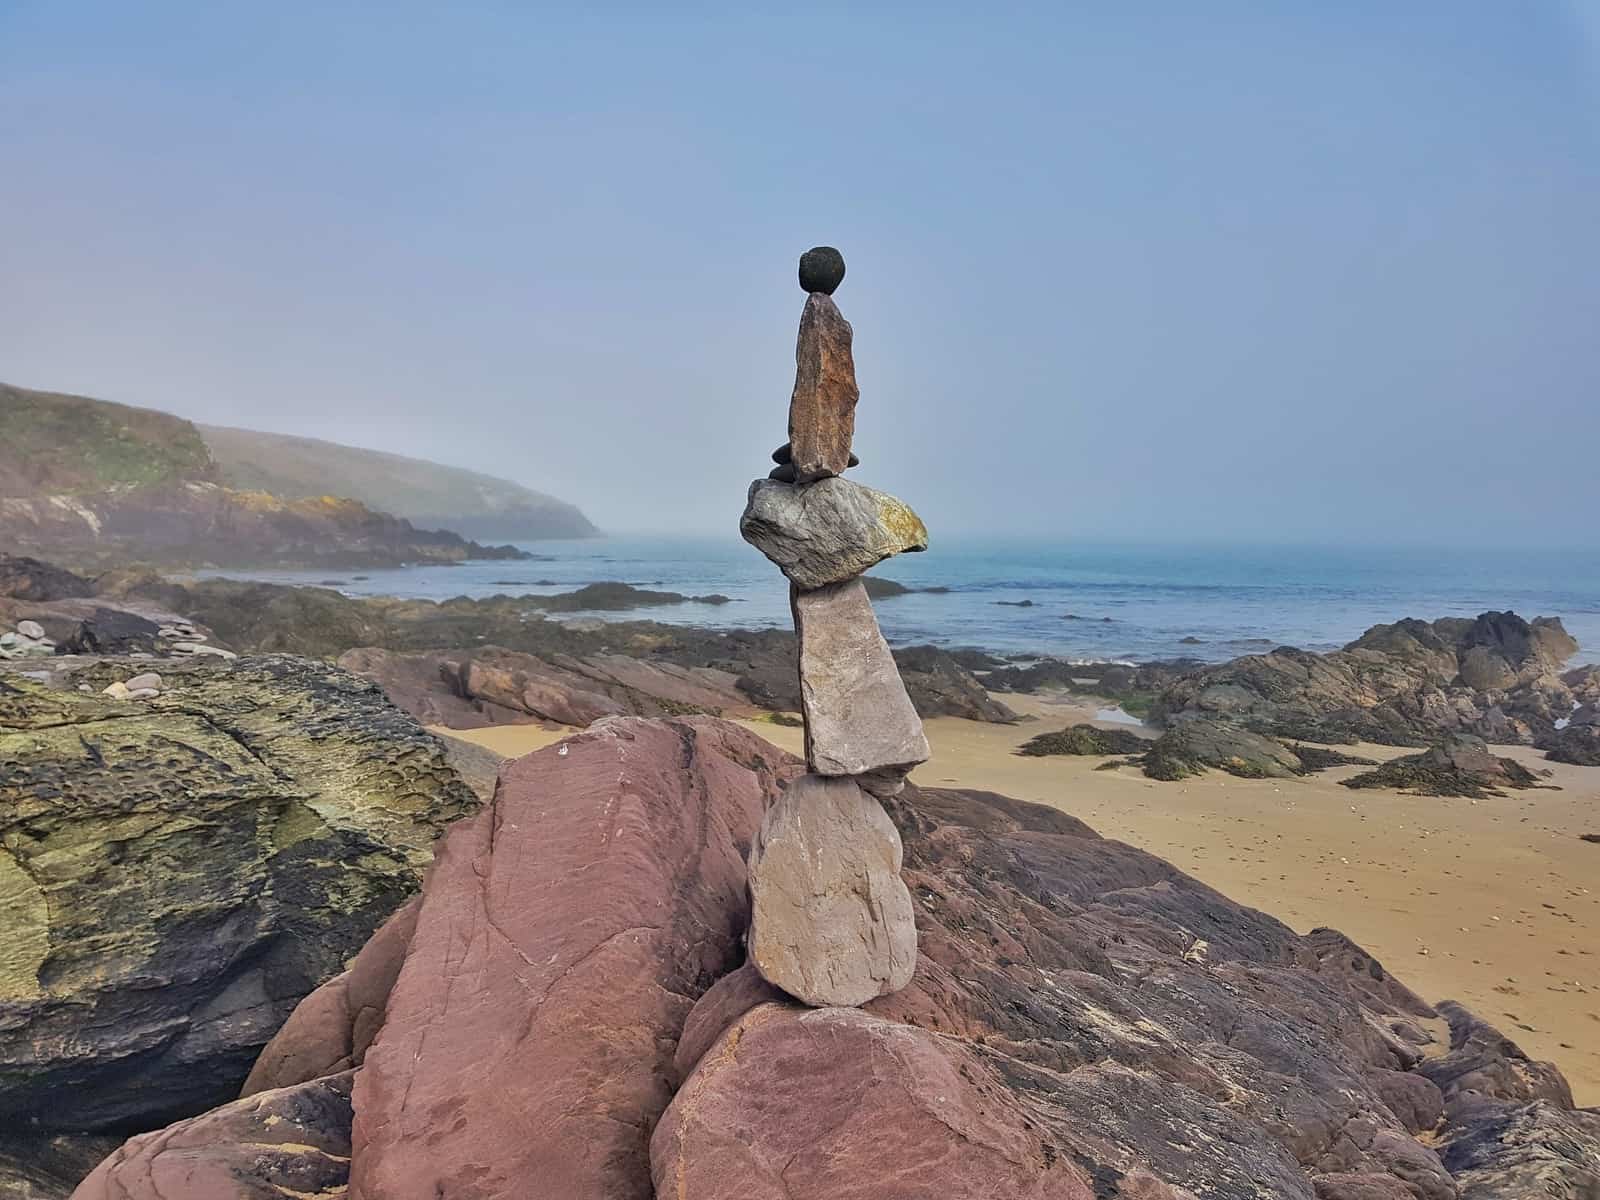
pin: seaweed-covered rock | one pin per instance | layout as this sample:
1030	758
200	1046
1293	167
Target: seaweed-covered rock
177	872
1084	738
1461	766
1192	746
1320	758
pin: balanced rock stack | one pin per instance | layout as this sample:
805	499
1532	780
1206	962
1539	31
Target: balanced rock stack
831	920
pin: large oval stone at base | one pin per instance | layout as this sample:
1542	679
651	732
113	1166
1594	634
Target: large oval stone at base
831	921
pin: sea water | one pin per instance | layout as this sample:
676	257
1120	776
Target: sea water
1090	602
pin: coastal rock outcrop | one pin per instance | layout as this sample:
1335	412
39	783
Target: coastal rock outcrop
851	1106
29	579
1189	747
178	871
1084	1020
941	686
1405	684
321	622
330	1030
1578	741
492	686
99	481
563	937
195	521
828	531
279	1145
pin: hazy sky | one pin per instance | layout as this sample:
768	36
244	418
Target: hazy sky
1292	270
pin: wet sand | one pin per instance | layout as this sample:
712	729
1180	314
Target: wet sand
1495	903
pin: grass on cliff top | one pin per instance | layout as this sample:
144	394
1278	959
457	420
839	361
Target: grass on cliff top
55	443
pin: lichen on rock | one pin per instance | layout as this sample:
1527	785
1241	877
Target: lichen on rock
177	872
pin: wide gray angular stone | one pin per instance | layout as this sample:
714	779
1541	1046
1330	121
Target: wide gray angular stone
858	716
828	531
831	921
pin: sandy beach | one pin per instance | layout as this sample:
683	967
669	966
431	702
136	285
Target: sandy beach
1495	903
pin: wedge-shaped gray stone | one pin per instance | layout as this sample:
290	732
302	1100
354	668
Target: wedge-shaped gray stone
828	531
858	716
831	920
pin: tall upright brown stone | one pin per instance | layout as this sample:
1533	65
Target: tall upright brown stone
822	410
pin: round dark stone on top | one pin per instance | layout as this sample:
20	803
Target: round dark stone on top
821	270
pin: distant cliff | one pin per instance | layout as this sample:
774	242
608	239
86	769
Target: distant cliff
426	493
91	482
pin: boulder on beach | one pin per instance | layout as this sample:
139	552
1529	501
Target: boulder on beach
1462	765
562	939
279	1145
1188	748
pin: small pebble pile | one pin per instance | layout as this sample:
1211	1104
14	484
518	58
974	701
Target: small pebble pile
144	686
831	920
186	639
26	641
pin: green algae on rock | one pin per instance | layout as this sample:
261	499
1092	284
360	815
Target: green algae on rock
1084	738
176	874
